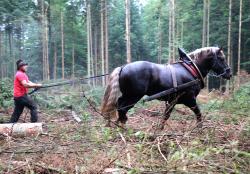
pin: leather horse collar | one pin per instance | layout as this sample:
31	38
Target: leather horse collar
188	63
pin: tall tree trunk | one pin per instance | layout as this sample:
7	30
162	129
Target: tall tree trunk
55	60
207	33
182	33
170	33
208	22
103	39
13	56
73	61
1	45
173	30
62	43
88	37
106	39
43	39
229	40
95	52
159	36
128	43
239	44
204	23
10	50
46	44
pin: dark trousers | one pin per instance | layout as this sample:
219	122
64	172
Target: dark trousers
20	103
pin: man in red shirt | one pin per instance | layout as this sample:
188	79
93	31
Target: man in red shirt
21	99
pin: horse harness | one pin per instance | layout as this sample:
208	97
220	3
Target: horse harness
192	69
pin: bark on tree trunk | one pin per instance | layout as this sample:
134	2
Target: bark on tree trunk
208	22
173	30
159	37
95	53
62	43
88	37
182	32
55	60
73	61
229	41
170	33
239	45
106	40
21	129
103	41
47	77
127	7
204	23
1	75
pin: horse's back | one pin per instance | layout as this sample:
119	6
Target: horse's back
143	77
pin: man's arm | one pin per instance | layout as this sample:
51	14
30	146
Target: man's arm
30	84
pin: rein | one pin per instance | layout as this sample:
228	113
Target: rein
213	74
70	82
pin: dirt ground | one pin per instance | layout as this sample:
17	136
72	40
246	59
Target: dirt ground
89	147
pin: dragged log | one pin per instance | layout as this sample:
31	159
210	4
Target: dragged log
21	129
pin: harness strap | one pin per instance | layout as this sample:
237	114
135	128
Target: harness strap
191	69
173	74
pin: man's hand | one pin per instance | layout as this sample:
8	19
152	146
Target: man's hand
38	85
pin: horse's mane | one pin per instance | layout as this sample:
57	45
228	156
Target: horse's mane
196	53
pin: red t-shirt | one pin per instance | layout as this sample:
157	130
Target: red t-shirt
19	89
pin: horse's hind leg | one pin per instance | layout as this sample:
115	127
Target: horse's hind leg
124	104
167	113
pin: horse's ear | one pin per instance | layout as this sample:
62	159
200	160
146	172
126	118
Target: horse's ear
220	49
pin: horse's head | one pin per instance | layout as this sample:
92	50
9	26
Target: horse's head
212	58
220	66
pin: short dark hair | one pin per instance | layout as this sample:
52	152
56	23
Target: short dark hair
20	63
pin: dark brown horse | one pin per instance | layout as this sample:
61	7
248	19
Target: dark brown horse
128	84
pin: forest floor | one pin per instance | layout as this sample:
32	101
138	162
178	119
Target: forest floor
221	146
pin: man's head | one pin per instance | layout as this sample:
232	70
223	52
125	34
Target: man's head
21	65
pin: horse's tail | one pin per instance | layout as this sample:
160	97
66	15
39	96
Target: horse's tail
111	95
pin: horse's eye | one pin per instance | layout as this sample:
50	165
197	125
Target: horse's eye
221	58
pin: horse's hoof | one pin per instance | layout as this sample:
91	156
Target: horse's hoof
108	124
123	125
161	127
199	125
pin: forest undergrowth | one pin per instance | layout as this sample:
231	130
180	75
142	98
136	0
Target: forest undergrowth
221	146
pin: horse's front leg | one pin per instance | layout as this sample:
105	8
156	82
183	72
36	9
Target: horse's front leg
192	104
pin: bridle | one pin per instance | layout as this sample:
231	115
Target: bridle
213	74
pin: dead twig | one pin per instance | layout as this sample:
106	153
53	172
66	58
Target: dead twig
44	166
111	162
159	149
128	154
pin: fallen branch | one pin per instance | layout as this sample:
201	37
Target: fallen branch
128	154
159	149
112	161
50	168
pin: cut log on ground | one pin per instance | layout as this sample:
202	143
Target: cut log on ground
21	129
